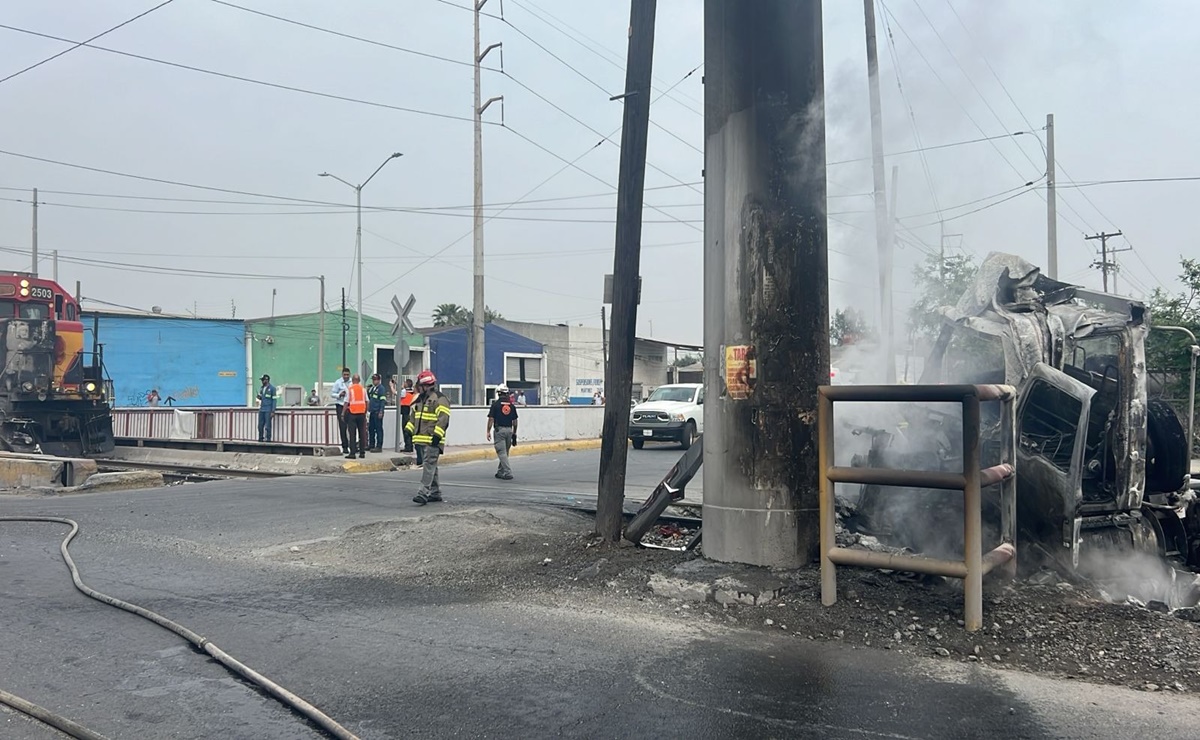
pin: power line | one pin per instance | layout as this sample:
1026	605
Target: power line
165	270
83	43
973	202
977	210
935	147
239	78
352	37
377	209
966	112
527	193
469	10
987	104
303	203
1130	180
597	178
618	64
912	116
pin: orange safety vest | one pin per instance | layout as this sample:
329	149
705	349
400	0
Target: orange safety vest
356	399
408	397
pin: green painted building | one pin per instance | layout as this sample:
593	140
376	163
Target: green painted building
286	348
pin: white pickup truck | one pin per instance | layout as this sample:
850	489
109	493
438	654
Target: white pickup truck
672	413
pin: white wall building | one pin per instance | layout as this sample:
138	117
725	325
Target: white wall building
575	360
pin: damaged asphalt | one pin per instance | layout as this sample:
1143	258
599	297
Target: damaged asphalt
487	616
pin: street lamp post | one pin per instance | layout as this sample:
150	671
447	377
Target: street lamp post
358	247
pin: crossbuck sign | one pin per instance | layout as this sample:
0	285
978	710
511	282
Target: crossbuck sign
401	328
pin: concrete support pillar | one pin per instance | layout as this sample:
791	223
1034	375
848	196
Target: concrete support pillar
766	297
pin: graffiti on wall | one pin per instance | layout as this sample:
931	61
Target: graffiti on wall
141	400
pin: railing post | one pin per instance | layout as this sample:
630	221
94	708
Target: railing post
972	509
826	494
1008	489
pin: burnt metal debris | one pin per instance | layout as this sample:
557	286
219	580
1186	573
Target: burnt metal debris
1102	472
669	491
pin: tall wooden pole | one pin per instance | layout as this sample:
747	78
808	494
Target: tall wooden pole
618	375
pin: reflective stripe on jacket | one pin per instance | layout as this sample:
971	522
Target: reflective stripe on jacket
356	399
376	399
430	416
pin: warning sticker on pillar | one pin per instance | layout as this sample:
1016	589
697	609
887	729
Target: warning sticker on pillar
740	370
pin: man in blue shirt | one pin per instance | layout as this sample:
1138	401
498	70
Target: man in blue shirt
376	401
266	407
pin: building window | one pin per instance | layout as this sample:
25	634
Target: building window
522	369
454	393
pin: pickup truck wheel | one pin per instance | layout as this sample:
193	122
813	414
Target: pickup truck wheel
688	436
1167	458
639	444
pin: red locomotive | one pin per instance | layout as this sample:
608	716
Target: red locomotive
52	392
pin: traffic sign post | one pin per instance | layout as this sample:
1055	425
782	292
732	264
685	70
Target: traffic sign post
401	329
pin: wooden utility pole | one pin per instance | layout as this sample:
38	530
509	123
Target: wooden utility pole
883	232
766	290
618	374
1105	265
1051	203
35	234
345	326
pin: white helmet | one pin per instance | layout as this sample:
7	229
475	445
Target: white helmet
502	388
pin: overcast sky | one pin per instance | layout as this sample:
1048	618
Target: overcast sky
1117	75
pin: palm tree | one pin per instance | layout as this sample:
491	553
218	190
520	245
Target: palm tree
450	314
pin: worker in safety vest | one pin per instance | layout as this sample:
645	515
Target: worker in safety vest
428	422
376	402
356	417
266	408
407	396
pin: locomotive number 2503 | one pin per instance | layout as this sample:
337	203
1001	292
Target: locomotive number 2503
41	293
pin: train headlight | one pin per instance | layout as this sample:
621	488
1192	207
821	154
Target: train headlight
24	292
90	387
24	283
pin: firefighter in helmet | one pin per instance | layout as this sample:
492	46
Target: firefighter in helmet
427	423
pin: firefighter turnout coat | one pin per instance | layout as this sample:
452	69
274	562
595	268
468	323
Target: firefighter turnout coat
430	417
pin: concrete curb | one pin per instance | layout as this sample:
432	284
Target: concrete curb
368	466
530	448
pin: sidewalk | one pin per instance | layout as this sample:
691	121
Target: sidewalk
470	453
380	462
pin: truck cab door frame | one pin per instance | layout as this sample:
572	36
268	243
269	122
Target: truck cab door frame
1052	418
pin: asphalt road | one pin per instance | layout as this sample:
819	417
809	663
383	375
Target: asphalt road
389	657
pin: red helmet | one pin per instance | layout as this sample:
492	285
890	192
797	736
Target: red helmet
426	378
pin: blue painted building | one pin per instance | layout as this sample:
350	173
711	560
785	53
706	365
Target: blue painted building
508	358
191	361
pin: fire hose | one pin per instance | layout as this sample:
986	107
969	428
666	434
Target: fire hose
285	697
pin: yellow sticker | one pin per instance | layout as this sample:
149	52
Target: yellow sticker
226	374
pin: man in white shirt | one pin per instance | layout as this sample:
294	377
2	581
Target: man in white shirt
340	387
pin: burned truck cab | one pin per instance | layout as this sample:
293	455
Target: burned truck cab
1100	469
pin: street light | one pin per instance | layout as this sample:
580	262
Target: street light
358	245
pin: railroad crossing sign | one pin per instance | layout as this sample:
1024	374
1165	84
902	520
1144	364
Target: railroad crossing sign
401	328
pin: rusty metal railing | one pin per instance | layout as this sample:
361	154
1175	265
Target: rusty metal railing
971	481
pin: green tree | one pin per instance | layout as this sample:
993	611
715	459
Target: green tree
1168	352
450	314
849	326
685	360
939	282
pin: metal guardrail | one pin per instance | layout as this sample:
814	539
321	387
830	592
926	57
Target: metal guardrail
971	481
303	426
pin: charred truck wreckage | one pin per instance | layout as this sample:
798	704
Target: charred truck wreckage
1103	491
